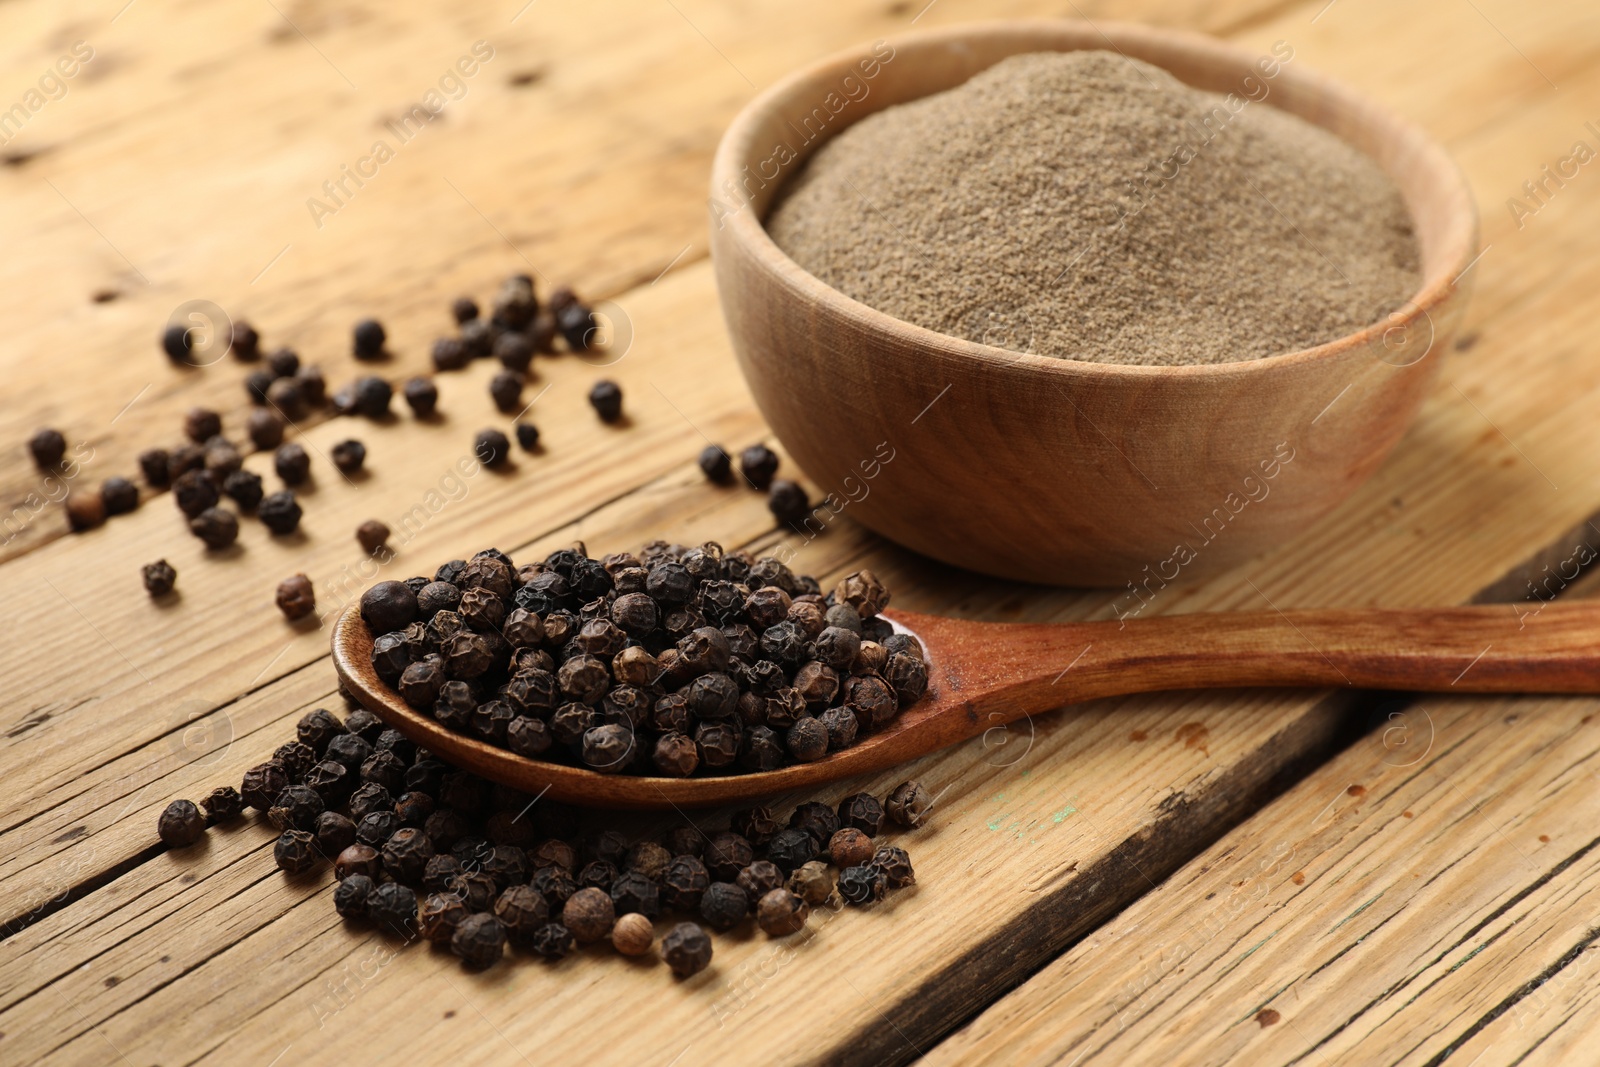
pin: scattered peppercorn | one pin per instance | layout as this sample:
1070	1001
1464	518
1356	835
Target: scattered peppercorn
371	396
311	386
715	464
159	578
464	309
394	907
862	885
758	464
349	456
265	428
256	384
243	488
283	363
788	501
505	389
350	896
175	342
283	396
292	463
47	447
194	491
244	342
181	824
367	339
895	865
527	436
156	466
202	424
491	447
811	882
589	914
849	848
296	597
280	512
724	905
372	535
686	948
606	396
422	395
222	804
119	496
908	805
217	527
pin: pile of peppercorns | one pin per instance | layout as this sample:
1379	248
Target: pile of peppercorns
673	662
494	866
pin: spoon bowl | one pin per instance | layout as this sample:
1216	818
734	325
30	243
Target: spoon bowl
983	675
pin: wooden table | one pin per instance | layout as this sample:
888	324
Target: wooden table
1273	877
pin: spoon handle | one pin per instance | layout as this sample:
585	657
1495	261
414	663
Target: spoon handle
1013	669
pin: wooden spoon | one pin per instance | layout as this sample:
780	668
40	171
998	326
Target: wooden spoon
983	675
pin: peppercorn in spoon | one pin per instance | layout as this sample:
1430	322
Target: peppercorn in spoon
983	675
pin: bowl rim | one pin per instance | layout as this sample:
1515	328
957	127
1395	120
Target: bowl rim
1457	254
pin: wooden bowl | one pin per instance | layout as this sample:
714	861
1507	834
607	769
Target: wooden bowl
1056	470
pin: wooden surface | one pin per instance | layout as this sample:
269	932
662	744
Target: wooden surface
1071	472
177	166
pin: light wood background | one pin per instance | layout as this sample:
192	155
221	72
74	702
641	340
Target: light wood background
1115	881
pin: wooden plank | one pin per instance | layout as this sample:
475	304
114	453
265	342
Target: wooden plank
180	164
1429	893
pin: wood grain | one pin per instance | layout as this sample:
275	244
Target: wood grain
1429	893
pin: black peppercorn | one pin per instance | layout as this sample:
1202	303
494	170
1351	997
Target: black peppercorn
292	463
895	865
194	491
684	882
85	511
555	884
527	436
48	447
334	832
758	464
367	339
464	309
372	535
350	896
552	941
296	808
221	458
349	456
283	396
589	914
521	912
202	424
792	847
812	882
357	859
388	606
788	501
393	907
295	851
505	389
422	396
262	784
491	447
181	824
862	885
862	812
715	464
216	527
450	353
440	915
633	891
311	386
726	854
908	805
781	912
222	804
283	363
159	578
606	396
686	948
119	496
256	383
758	879
371	396
156	466
756	824
406	853
295	597
375	827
